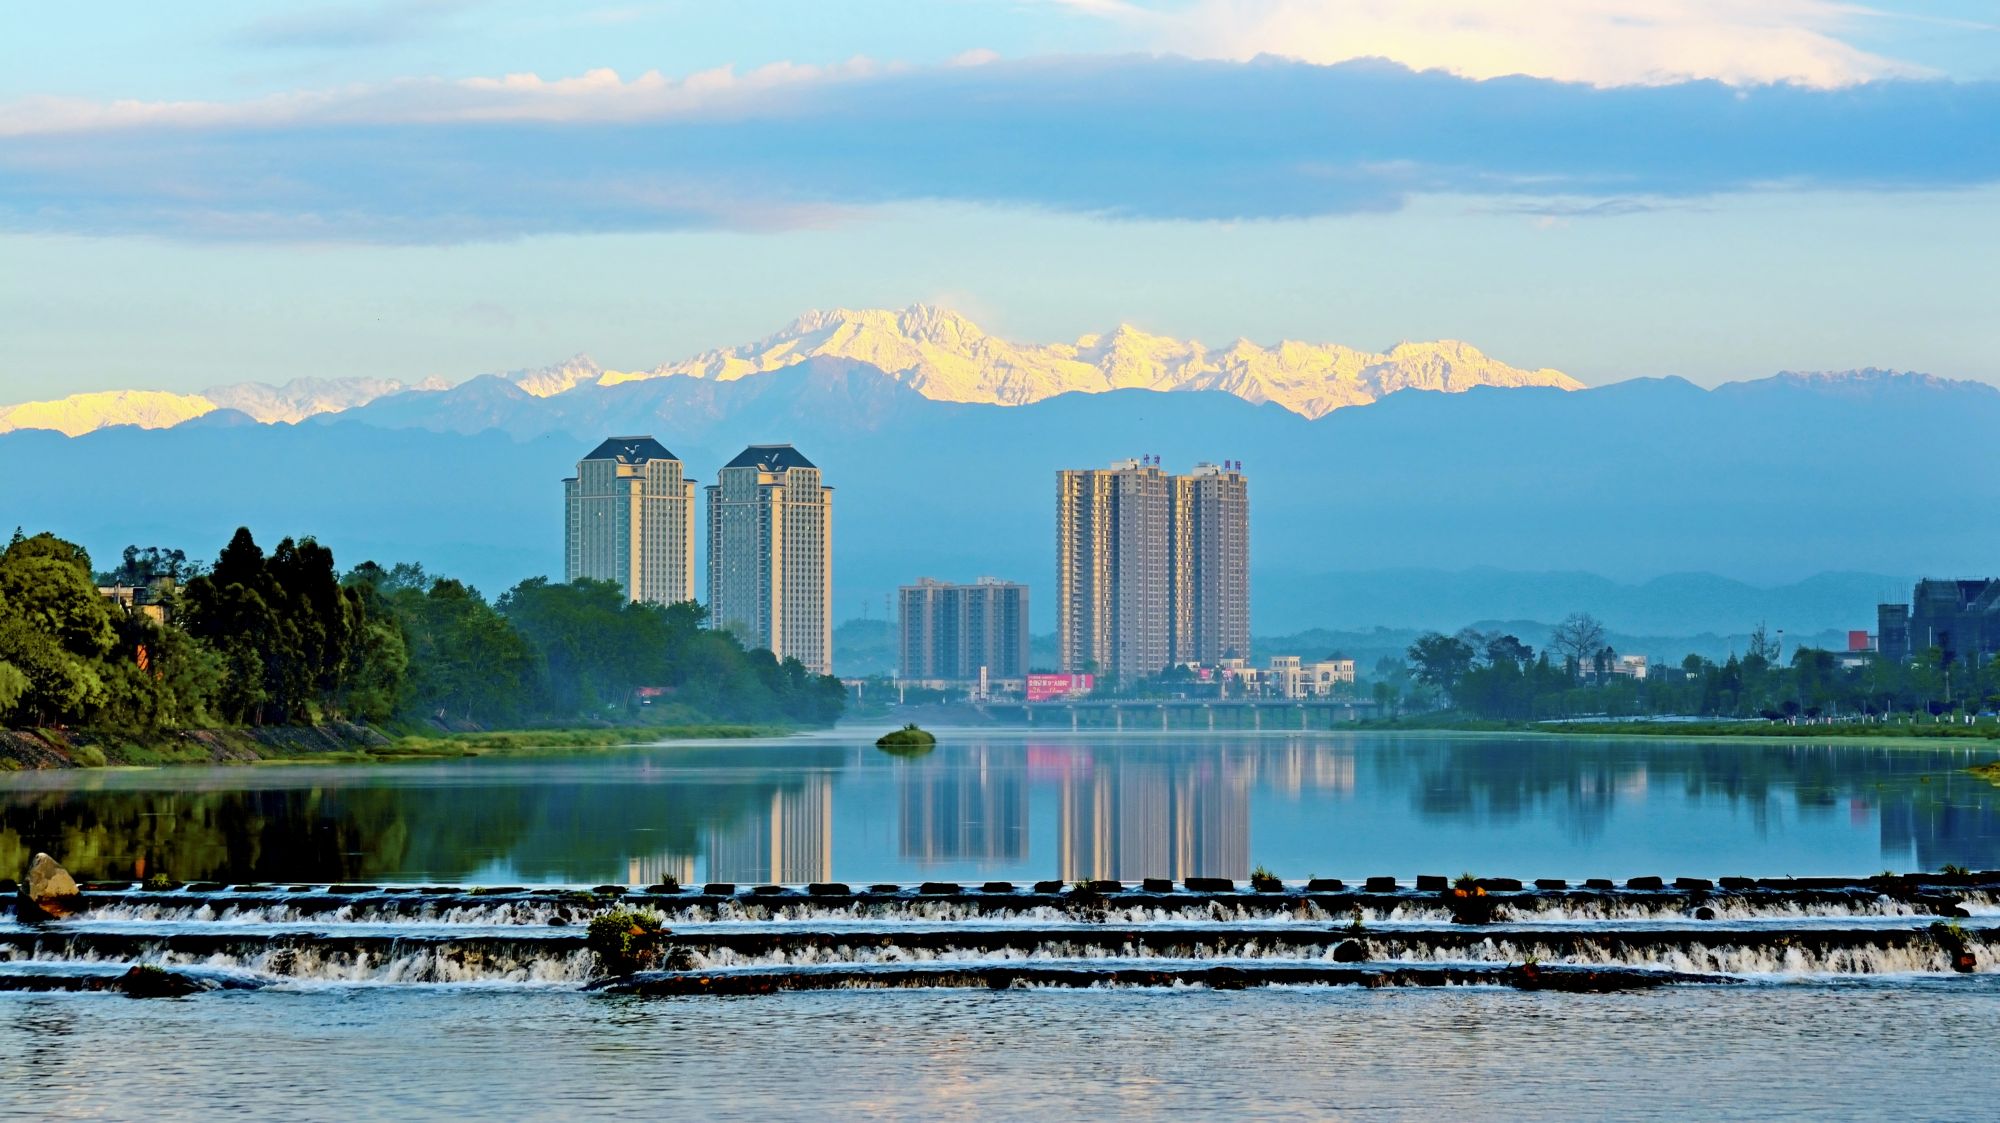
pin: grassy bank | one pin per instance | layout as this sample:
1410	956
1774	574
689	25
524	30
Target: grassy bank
1706	730
331	743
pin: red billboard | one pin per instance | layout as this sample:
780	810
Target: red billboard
1858	641
1044	688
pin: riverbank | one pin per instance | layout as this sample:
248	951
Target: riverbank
334	742
1705	730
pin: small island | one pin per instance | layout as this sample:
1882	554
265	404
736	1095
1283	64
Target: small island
908	740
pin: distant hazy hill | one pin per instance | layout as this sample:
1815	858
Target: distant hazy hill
937	352
1420	510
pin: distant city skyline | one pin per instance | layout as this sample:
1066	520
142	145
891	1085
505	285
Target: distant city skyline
1201	168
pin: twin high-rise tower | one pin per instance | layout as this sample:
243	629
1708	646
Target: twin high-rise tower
1152	569
629	518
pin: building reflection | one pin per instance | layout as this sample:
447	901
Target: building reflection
1300	766
786	839
653	869
974	808
1179	816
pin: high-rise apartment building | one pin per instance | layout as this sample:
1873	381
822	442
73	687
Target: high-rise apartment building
1113	569
629	517
1211	562
770	554
1151	569
953	633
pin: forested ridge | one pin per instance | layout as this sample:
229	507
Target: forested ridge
285	637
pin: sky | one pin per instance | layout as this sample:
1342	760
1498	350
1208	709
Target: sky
195	195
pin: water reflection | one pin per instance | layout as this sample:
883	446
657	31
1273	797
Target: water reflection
973	808
1128	815
1090	805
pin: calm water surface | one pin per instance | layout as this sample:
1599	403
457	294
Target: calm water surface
1014	806
1022	807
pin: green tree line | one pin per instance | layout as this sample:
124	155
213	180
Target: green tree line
1496	676
285	637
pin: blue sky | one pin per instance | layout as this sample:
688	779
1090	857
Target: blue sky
1711	188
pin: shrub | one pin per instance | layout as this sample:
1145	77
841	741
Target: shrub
626	941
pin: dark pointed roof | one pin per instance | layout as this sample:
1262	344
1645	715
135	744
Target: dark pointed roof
631	450
770	458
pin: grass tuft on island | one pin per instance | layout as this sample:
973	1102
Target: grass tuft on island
907	741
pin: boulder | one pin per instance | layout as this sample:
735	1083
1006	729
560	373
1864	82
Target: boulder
1380	885
1325	885
1349	951
1210	884
1156	885
48	892
997	887
1551	883
147	981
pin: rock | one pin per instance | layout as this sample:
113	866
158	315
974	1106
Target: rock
1106	885
1701	884
1325	885
1500	885
827	889
1647	883
1551	883
1704	913
1048	886
1598	883
147	981
719	888
48	892
1349	951
1432	883
997	887
885	887
1380	885
1156	885
1210	885
939	888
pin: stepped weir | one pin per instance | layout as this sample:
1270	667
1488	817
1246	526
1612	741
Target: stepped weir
728	939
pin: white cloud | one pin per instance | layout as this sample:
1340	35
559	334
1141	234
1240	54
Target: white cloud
1601	42
596	95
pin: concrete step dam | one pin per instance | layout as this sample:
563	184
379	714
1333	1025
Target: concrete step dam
760	939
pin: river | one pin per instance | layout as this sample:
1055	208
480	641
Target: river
1877	1033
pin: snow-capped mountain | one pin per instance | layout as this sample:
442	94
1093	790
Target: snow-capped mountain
945	356
84	413
157	409
935	351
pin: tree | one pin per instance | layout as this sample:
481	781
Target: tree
1508	649
55	630
1577	639
1440	660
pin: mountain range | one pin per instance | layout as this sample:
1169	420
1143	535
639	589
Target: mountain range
1423	509
938	353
